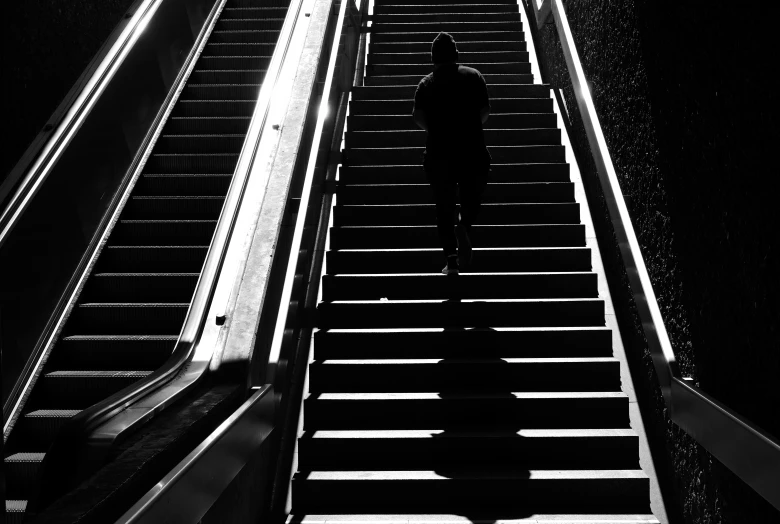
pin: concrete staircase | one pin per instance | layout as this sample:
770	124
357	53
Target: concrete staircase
490	395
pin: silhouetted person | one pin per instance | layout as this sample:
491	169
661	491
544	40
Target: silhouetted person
451	104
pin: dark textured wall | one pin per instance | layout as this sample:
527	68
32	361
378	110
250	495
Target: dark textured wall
684	98
46	46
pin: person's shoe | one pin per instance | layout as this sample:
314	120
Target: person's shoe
452	266
465	253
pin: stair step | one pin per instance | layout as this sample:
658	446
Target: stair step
482	517
163	232
514	67
82	388
421	193
425	214
455	489
454	314
140	352
447	17
572	342
405	107
493	137
464	57
379	27
504	121
21	470
152	258
372	261
461	34
173	207
413	80
413	174
407	92
414	155
513	410
476	8
467	286
441	2
427	449
465	47
14	511
475	374
128	319
140	287
411	237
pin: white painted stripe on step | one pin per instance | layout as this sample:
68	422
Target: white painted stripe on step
584	474
469	361
440	433
466	328
469	301
475	396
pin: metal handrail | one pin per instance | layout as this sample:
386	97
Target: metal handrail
69	125
750	452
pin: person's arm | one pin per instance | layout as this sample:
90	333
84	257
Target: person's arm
484	113
420	118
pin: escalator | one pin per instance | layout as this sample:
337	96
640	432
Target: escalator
128	317
499	393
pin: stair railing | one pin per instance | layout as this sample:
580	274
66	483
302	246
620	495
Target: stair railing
750	452
210	469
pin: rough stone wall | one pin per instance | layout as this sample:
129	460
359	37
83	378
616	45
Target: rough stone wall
46	46
684	101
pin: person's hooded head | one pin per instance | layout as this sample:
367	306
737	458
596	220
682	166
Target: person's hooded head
443	49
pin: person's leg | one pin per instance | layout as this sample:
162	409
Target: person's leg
444	194
472	187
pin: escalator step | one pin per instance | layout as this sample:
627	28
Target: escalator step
163	232
78	388
463	343
248	36
106	352
221	91
467	286
38	428
182	207
140	287
152	258
20	472
193	184
386	260
238	62
218	125
413	173
204	144
264	49
269	14
214	108
437	313
228	76
171	163
250	24
128	319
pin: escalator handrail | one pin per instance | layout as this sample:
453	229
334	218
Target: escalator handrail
749	451
103	414
46	158
175	489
